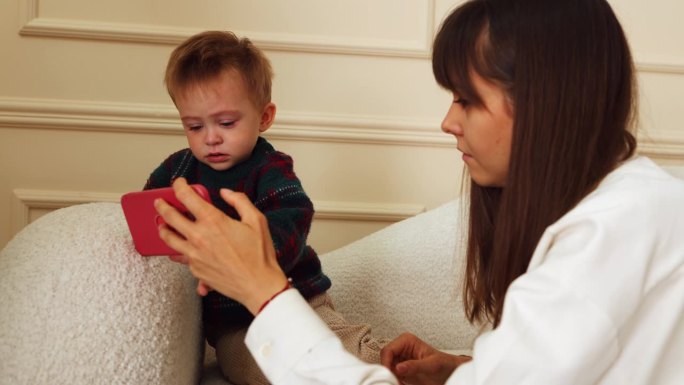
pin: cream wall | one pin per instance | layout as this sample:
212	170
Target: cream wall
84	116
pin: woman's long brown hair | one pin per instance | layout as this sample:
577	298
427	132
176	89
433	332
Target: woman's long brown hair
568	71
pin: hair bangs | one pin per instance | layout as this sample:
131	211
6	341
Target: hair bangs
457	50
196	70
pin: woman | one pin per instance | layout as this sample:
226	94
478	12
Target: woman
573	251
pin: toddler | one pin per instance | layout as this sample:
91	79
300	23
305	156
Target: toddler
221	86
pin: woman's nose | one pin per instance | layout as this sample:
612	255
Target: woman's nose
451	124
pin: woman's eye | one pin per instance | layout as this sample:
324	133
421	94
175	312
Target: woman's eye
464	103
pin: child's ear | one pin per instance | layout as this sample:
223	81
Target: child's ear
267	117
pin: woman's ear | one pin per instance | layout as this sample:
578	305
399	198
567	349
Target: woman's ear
267	117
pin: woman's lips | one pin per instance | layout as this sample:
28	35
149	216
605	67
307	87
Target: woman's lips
465	156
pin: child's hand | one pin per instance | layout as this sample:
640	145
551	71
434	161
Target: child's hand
179	259
203	289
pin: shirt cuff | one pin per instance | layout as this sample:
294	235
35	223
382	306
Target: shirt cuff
285	330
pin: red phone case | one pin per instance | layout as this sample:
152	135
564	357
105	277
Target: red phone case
143	220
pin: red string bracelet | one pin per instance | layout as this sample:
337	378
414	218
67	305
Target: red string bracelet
288	285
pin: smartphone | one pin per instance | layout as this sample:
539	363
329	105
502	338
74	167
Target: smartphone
143	220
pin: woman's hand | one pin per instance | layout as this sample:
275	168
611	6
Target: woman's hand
415	362
233	257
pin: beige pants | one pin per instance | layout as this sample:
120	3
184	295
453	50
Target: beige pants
239	367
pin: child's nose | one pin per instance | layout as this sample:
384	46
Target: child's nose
213	137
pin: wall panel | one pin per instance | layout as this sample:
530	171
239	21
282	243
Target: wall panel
280	25
84	116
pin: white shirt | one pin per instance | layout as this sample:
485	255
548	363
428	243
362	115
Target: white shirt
602	302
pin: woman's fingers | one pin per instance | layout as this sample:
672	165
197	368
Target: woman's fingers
197	206
190	235
398	350
414	361
168	235
234	257
430	370
248	213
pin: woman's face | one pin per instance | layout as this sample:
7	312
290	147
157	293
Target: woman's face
483	132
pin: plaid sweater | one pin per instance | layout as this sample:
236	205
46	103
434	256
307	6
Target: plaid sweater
268	179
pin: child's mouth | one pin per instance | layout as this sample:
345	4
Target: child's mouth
217	157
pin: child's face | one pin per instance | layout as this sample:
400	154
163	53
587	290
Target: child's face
220	121
483	133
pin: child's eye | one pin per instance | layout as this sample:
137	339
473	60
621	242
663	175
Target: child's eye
194	127
227	123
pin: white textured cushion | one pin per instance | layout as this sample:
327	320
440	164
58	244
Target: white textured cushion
406	277
78	305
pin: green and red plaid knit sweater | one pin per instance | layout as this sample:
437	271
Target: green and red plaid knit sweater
268	179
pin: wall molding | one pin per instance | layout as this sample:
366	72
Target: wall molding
72	115
365	212
35	25
665	145
26	200
658	67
